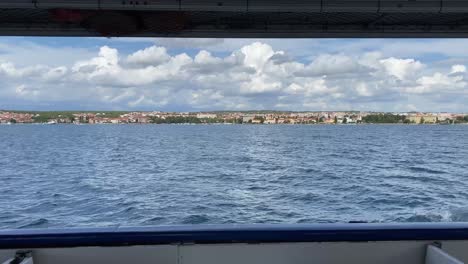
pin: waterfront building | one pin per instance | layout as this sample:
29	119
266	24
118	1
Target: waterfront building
426	119
206	115
247	118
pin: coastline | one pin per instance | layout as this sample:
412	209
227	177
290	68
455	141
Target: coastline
226	124
228	118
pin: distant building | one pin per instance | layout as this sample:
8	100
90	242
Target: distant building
426	119
247	118
270	121
329	121
256	121
349	120
143	120
281	121
205	115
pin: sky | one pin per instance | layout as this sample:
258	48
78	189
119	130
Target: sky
170	74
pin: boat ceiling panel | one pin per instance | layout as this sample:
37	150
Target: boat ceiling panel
235	18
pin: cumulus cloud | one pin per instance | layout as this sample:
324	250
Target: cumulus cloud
438	83
254	76
332	64
458	68
150	56
401	68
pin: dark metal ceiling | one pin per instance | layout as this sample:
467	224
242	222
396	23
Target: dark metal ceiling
235	18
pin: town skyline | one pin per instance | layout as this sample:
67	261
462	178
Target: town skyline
230	117
224	110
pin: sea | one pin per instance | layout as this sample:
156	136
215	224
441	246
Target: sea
56	176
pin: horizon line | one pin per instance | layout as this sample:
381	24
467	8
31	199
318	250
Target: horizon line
244	111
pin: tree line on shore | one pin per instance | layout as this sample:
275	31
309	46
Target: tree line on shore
385	119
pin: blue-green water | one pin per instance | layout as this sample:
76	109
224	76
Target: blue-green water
106	175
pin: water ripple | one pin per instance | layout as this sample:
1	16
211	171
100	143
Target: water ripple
62	176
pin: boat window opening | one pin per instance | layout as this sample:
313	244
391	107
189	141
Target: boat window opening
99	132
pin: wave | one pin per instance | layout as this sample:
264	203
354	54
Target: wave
459	215
424	218
257	188
453	215
195	219
309	197
154	220
42	222
426	170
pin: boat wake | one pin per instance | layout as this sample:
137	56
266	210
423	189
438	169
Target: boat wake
453	215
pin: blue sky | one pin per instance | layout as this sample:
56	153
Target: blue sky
233	74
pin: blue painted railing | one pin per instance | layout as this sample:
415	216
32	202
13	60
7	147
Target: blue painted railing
204	234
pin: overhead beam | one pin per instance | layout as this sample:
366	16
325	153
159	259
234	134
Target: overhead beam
387	6
235	18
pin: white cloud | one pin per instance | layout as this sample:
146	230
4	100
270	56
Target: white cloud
363	90
106	61
204	57
26	91
259	85
437	83
150	56
10	70
458	68
55	74
254	75
401	68
329	64
257	55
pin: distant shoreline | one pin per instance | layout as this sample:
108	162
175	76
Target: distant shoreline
223	124
157	117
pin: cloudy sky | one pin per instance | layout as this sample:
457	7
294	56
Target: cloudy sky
233	74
